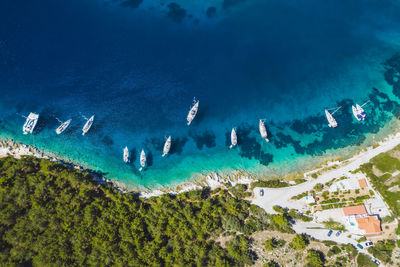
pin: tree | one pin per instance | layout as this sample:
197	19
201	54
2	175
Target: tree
299	242
318	187
315	258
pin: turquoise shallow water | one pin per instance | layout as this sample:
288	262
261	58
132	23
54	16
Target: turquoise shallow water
138	69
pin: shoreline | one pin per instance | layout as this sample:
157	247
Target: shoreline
9	147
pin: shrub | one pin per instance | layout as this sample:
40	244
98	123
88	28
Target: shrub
300	180
383	250
269	184
365	261
272	243
299	242
315	258
318	187
333	251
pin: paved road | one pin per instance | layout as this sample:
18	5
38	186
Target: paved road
281	196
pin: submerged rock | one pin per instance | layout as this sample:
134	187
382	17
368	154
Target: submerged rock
131	3
211	12
176	12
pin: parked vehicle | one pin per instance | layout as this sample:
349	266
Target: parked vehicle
338	233
368	244
360	246
262	192
377	262
330	232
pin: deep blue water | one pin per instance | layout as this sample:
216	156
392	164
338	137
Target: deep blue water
138	69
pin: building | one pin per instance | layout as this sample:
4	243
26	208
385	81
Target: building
359	222
362	183
355	210
371	225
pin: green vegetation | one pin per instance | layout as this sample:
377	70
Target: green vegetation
300	180
386	163
331	224
325	195
334	251
380	184
273	243
271	264
301	195
269	183
383	250
318	187
315	258
362	239
365	261
240	191
299	242
55	216
352	251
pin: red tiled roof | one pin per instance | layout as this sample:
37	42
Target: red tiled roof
355	210
370	224
362	183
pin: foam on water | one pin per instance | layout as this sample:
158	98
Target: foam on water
138	72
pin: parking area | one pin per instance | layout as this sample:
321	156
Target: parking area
317	231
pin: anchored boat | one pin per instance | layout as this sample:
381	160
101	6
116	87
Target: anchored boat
63	126
126	154
233	138
331	120
142	160
192	112
263	131
357	113
167	146
87	125
30	123
361	110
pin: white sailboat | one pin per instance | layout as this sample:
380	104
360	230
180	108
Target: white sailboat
142	160
126	154
192	112
361	110
87	125
233	138
331	120
357	113
263	131
63	126
30	123
167	146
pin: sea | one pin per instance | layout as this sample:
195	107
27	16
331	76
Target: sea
137	65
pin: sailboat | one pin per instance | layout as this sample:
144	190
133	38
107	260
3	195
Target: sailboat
30	123
233	138
357	113
263	131
361	110
142	160
87	125
331	120
63	127
192	112
126	154
167	146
